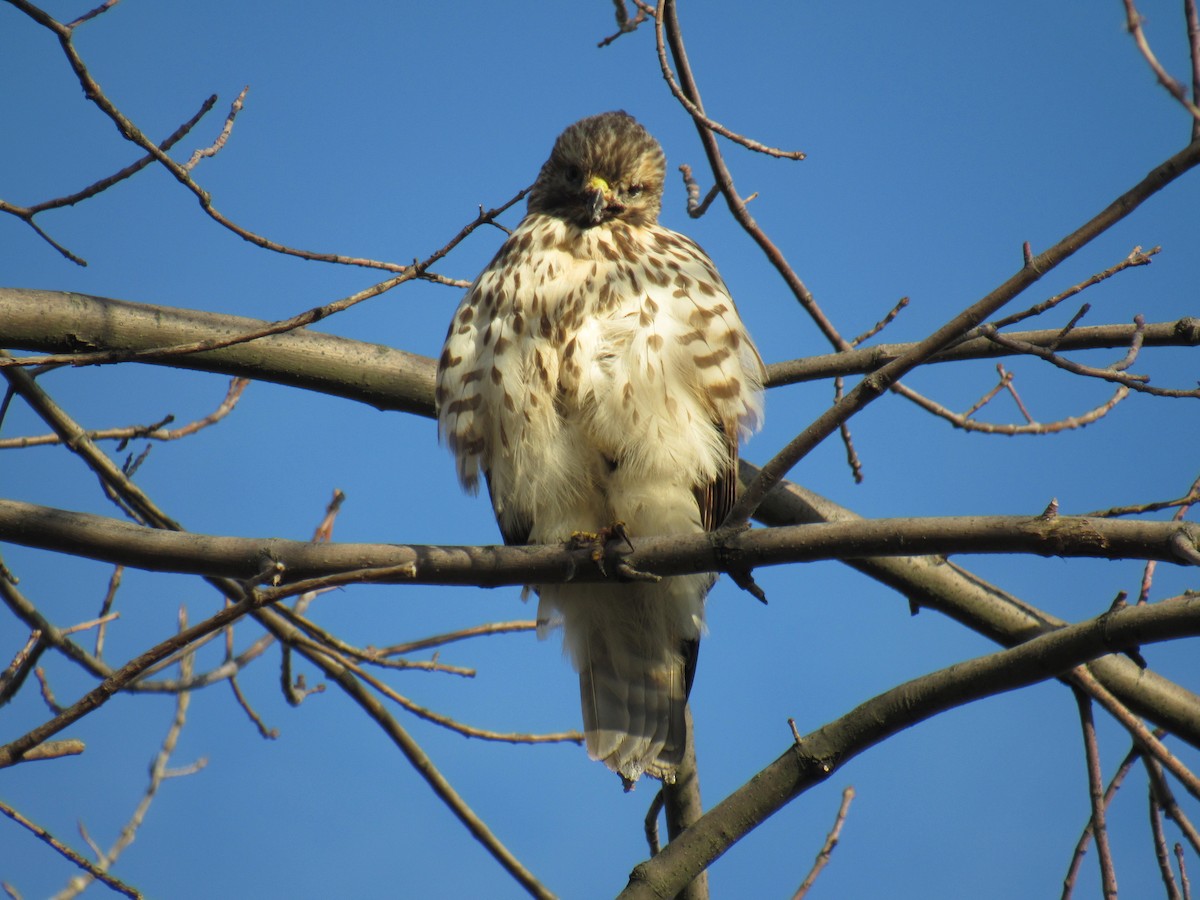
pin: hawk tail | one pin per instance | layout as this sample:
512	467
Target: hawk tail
633	711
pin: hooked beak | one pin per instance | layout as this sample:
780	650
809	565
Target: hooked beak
599	199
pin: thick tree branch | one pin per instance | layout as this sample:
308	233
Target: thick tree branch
369	373
292	564
64	323
1183	332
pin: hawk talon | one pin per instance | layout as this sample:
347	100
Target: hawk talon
626	572
598	542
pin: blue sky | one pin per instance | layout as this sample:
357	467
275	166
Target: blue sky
940	137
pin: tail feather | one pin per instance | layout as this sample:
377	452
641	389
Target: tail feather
633	715
634	648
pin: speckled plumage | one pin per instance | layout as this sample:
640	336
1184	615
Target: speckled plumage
596	372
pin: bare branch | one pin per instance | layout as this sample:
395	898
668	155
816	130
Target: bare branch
694	109
872	386
695	206
1166	799
412	752
624	24
1151	745
394	379
1184	332
226	130
724	180
1134	754
1133	21
12	678
158	773
307	566
967	422
1161	854
1108	878
27	213
1193	33
650	824
63	850
1113	373
148	432
826	852
824	751
1136	257
56	750
461	634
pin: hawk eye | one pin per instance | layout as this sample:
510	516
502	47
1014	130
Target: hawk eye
634	190
573	173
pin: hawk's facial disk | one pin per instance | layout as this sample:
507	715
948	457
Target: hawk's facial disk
602	168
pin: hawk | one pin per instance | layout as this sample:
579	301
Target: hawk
598	373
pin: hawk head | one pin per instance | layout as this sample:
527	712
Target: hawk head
602	168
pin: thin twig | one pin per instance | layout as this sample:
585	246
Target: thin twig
1108	877
694	109
102	8
673	37
695	206
1136	257
830	843
872	386
624	24
27	213
1154	748
1161	855
462	634
159	772
110	595
12	678
1133	21
264	731
1110	373
63	850
1184	503
445	721
226	130
1165	798
370	655
1193	33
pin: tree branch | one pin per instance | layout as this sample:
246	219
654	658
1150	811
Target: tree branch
294	566
874	384
1183	332
392	379
65	323
369	373
822	752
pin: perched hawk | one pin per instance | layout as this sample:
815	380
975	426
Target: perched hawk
597	372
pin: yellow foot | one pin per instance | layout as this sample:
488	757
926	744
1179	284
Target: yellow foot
598	540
